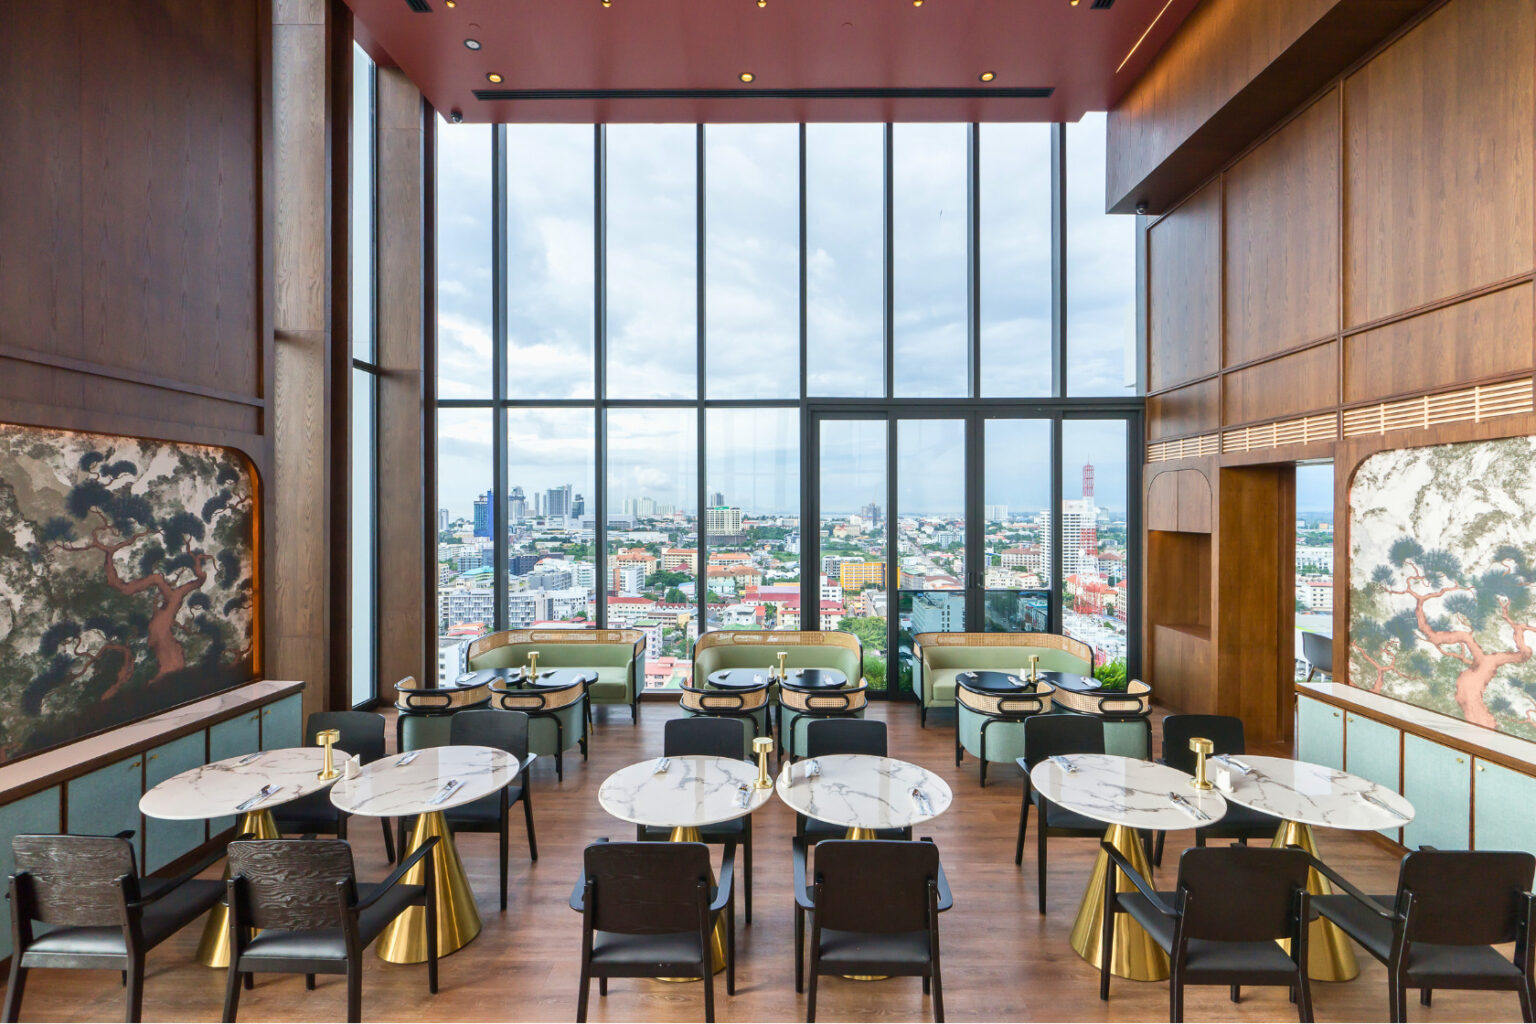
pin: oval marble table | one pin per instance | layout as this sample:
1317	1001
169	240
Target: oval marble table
1126	794
418	783
1305	796
250	786
685	794
863	793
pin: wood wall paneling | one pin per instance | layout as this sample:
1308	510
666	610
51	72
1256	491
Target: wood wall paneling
1282	238
1192	409
1301	382
1194	502
1439	136
1162	509
1184	321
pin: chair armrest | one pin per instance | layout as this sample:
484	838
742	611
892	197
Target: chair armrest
394	879
1348	887
192	872
126	833
578	903
1142	885
946	898
727	879
527	763
799	849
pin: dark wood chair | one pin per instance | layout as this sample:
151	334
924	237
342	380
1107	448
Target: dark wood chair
831	736
314	917
647	910
362	735
99	913
1221	925
1450	909
874	906
703	736
1047	736
1226	735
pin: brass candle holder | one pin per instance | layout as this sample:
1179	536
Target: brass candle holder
1034	668
1202	748
327	739
762	746
533	665
783	656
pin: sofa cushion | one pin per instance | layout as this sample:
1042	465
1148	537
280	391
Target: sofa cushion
558	655
1004	659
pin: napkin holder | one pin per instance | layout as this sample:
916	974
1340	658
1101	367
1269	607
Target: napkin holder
351	768
1223	777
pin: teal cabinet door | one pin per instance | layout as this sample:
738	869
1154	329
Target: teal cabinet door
1437	780
1503	808
106	801
1319	733
281	722
234	738
1371	751
38	813
164	841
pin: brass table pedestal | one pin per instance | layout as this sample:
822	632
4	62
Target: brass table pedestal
1133	954
213	947
1329	955
404	940
689	834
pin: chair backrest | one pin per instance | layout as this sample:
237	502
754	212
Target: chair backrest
874	885
1318	650
646	888
537	700
713	700
362	732
1047	735
293	884
486	727
73	879
1240	893
702	736
1464	897
1224	731
845	736
822	701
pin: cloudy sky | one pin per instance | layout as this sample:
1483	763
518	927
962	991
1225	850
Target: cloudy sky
752	281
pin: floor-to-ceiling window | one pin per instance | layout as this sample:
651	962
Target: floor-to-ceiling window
364	682
662	347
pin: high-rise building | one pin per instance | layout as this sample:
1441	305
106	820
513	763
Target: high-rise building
872	514
442	520
722	520
997	513
578	507
717	498
517	506
483	515
858	575
557	501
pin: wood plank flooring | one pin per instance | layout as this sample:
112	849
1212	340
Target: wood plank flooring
1002	960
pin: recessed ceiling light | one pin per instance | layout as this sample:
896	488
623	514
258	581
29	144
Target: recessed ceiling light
493	78
747	76
917	3
987	76
450	3
607	3
473	44
762	3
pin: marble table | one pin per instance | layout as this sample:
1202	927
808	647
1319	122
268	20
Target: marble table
249	785
1126	794
415	783
517	678
686	794
863	793
1305	796
815	679
741	678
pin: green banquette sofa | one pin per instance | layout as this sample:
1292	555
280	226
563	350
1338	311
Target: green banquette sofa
937	657
616	655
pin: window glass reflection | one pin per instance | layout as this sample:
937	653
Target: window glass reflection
930	230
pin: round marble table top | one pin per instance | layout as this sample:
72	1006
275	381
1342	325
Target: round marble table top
221	788
815	679
1313	794
740	678
1127	791
992	681
690	793
386	788
863	791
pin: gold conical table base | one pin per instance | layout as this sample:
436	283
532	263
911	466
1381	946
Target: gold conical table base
213	947
1133	954
688	834
1329	955
404	940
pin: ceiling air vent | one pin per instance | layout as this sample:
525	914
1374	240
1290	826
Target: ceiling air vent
422	7
1103	5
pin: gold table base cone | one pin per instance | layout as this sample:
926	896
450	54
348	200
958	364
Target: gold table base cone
689	834
404	940
1133	955
1329	954
213	947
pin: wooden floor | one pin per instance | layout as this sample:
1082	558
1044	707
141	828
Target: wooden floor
1002	960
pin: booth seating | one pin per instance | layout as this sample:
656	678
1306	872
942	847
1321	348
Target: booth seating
755	648
749	707
990	725
617	656
938	657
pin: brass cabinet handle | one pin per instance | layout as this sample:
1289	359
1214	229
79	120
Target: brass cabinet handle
153	756
1461	760
136	764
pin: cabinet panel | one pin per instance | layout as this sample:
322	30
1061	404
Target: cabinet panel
106	801
280	723
164	841
1371	751
1437	780
1319	733
1501	810
36	813
232	738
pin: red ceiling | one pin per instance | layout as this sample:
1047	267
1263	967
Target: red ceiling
787	44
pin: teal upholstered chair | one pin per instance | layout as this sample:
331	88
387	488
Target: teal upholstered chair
990	726
616	655
756	648
939	657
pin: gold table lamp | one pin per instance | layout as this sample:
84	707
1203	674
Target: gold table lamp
1202	748
533	665
328	739
762	746
1034	668
783	656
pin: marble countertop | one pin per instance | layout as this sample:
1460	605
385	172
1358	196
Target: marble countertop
1315	794
1127	791
862	791
222	787
1456	731
387	789
691	793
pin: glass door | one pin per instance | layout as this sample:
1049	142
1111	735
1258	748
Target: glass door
930	519
1018	553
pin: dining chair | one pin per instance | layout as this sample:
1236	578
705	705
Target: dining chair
1221	924
1317	649
746	707
832	736
647	911
296	907
1450	909
808	705
508	731
874	906
98	912
362	736
1048	736
1226	735
709	737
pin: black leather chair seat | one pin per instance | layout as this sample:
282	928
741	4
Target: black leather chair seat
1264	962
616	949
1438	966
485	811
1057	816
161	919
307	813
1360	923
327	943
855	949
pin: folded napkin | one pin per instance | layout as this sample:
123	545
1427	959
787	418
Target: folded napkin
449	788
1063	764
812	768
407	759
743	795
265	792
662	764
921	800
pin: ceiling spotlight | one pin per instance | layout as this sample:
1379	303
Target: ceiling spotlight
607	3
917	3
473	44
747	76
762	3
1074	3
493	78
987	76
450	3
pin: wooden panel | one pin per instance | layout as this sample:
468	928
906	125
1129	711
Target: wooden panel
1438	131
1481	338
1184	304
1194	502
1287	386
1192	409
1282	238
1162	511
1181	674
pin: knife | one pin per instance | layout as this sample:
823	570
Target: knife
448	790
1242	767
1189	808
407	759
248	758
662	764
266	791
